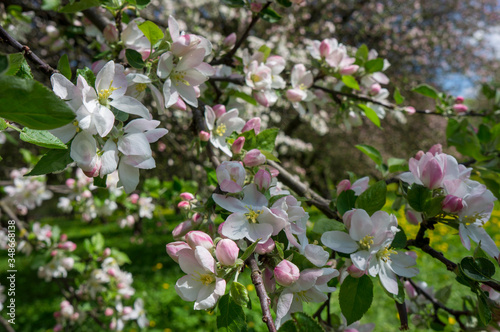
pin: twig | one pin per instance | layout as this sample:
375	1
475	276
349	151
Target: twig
226	59
301	189
265	302
6	325
28	54
97	19
403	315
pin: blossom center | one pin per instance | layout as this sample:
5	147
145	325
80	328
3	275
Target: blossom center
303	296
366	242
178	77
469	220
140	87
302	86
221	129
385	254
253	215
256	78
207	279
104	94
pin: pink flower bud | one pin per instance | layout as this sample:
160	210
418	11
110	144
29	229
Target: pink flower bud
256	7
419	155
219	110
459	100
266	247
110	33
355	272
349	70
183	205
106	252
227	252
112	325
161	146
70	183
173	249
238	145
134	198
254	158
375	89
121	285
127	310
65	304
294	95
53	253
187	196
57	328
75	316
68	245
261	98
410	110
436	148
63	237
86	194
254	124
460	108
199	238
262	179
410	290
94	171
274	172
179	105
286	273
108	312
343	185
229	41
324	48
111	272
204	136
452	204
182	228
197	218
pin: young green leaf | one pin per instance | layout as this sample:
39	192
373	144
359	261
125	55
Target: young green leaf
371	152
239	293
370	114
355	297
231	317
63	66
134	58
418	196
41	138
152	32
52	161
346	201
350	82
373	199
398	98
426	90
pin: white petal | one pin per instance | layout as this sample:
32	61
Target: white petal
129	177
339	241
131	105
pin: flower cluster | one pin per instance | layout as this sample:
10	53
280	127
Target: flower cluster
469	202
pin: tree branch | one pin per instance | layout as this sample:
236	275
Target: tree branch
265	302
6	325
96	18
403	316
226	59
28	54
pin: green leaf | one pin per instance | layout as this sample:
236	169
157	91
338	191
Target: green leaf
51	4
373	198
266	139
483	308
239	294
4	63
269	155
289	326
350	82
433	206
397	165
280	248
249	250
398	98
152	32
355	297
270	15
325	225
16	60
443	294
488	91
304	322
370	114
134	58
31	104
462	136
418	196
3	124
375	65
41	138
399	241
285	3
362	53
231	317
100	182
140	4
479	269
121	257
24	71
63	66
80	6
245	97
266	50
97	242
52	161
427	91
370	152
234	3
87	74
346	201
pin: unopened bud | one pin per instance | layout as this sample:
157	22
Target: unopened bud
108	312
262	179
70	183
179	105
63	237
197	218
460	108
324	49
186	196
229	41
436	148
266	247
173	249
286	273
238	145
254	124
452	204
204	136
182	228
199	238
355	272
254	158
183	205
227	252
459	100
419	154
134	198
110	33
343	185
106	252
375	89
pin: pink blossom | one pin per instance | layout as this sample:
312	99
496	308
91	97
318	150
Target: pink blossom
231	176
254	124
286	273
134	198
186	196
227	252
219	110
460	108
254	158
263	179
238	145
199	238
204	136
229	41
173	249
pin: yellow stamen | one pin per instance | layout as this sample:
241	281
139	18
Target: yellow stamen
140	87
253	215
179	77
366	242
256	78
104	94
220	130
385	254
207	279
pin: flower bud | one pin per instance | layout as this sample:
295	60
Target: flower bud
174	247
355	272
436	148
86	194
187	196
294	95
254	124
199	238
262	179
343	185
106	252
53	253
179	105
349	70
197	218
266	247
410	110
68	245
204	136
127	310
375	89
238	145
182	228
286	273
63	238
70	183
419	155
254	158
134	198
110	33
92	172
256	7
229	41
459	100
460	108
227	252
108	312
183	205
410	290
219	110
75	316
452	204
324	48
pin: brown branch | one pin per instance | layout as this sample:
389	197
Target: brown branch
227	58
96	18
28	54
6	325
302	190
265	302
403	315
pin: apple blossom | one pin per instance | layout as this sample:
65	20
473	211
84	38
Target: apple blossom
238	144
254	158
286	273
198	238
231	176
220	128
253	123
263	179
227	252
